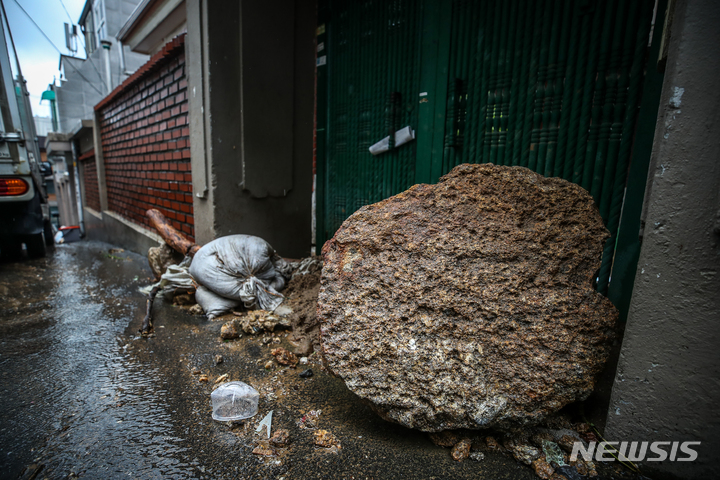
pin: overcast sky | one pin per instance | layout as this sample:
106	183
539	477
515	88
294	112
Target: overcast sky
38	58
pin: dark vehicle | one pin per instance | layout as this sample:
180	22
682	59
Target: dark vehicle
24	211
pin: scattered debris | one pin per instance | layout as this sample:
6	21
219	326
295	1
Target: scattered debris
461	450
218	359
234	401
268	365
195	371
184	299
446	438
161	257
525	453
493	444
265	423
195	310
477	456
553	454
263	448
284	357
306	373
542	469
221	378
203	378
229	331
303	360
280	438
325	439
309	420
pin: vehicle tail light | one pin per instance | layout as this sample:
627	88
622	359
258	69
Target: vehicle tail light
12	187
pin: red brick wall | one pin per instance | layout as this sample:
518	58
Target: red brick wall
90	181
146	144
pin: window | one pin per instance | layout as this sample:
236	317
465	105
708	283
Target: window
89	31
99	14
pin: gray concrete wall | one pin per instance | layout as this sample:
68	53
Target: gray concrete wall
667	385
111	228
256	78
85	82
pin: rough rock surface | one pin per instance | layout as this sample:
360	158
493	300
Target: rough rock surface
161	257
469	303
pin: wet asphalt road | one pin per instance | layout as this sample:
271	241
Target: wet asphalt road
84	396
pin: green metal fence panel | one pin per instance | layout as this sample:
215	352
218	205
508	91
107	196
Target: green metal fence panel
372	90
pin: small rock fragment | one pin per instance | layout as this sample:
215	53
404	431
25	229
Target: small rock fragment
542	469
269	365
525	453
446	438
477	456
325	439
566	442
303	360
306	373
280	438
195	371
284	357
222	378
218	359
461	450
493	444
203	378
263	448
229	331
195	310
266	340
539	437
184	299
309	420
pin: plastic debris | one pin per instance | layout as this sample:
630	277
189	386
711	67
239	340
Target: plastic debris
553	454
265	423
234	401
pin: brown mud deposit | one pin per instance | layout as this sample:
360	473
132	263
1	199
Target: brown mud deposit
301	295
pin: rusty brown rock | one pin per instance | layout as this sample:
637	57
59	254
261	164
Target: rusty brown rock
325	439
461	450
280	438
161	257
468	304
444	439
284	357
229	331
543	469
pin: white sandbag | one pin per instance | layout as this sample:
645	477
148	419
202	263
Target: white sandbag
242	267
213	304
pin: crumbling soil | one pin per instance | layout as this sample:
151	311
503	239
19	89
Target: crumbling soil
301	295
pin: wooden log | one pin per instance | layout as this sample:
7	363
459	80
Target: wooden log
171	236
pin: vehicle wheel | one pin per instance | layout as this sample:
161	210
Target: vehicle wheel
48	232
11	249
35	245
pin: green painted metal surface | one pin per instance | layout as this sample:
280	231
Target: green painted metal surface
551	85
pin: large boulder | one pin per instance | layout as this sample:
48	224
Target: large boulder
469	303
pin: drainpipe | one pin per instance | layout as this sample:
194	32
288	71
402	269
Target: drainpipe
78	196
106	44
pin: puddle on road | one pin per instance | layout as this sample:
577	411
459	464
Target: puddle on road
73	399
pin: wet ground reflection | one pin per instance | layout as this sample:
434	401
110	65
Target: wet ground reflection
73	399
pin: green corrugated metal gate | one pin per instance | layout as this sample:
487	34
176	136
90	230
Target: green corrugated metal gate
550	85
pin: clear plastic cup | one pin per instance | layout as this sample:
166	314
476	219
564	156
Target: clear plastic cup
234	401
